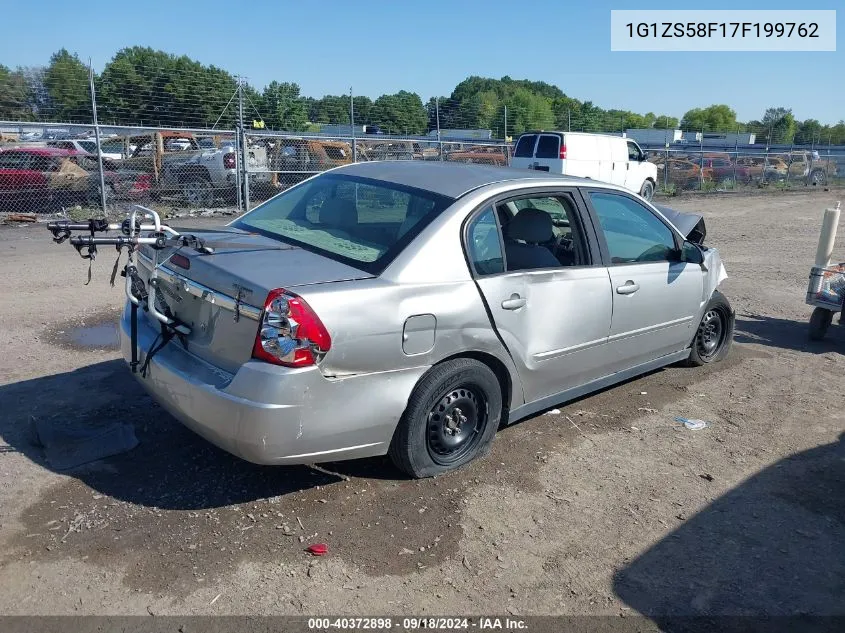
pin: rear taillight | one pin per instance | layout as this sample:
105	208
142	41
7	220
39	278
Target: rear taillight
562	154
229	160
291	334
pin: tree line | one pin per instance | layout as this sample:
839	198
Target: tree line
142	86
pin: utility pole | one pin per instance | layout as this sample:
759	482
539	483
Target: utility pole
244	152
352	125
97	137
437	115
506	124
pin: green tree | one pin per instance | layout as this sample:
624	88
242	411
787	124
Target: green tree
714	118
363	110
400	113
665	122
781	124
331	109
68	90
527	110
809	132
287	109
148	87
15	96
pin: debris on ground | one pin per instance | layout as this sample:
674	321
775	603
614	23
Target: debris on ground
317	549
706	476
66	446
692	425
22	217
553	412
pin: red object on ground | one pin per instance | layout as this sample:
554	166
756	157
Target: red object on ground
318	549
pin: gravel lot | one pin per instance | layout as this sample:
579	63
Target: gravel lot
609	507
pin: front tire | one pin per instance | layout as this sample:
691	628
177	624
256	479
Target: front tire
451	419
647	190
820	321
715	332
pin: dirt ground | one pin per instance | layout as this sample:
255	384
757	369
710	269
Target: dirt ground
607	507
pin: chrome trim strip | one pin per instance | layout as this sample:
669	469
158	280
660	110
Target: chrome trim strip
202	292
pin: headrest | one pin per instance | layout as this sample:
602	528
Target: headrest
338	213
531	225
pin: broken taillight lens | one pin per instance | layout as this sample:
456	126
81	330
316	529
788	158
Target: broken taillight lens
290	334
229	160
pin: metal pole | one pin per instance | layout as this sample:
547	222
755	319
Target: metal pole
568	119
352	125
97	138
238	179
244	153
701	160
736	154
437	114
506	124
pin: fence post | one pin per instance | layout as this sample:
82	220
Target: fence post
701	161
666	170
352	125
506	125
238	180
736	155
789	165
244	151
437	116
97	138
568	119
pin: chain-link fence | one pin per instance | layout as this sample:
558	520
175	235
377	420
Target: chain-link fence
183	138
63	167
700	169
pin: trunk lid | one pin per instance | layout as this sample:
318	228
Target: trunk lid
220	295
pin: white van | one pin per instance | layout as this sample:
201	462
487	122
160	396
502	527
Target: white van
602	157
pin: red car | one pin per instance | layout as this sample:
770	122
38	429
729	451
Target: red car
45	178
725	171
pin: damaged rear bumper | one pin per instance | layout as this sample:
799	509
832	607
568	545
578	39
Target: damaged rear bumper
273	415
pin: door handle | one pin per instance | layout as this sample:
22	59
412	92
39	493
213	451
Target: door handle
629	288
514	303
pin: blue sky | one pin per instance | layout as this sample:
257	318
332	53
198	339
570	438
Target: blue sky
428	47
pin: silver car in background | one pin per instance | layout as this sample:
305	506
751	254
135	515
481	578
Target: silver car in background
411	308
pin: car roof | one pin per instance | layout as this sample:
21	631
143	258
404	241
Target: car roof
43	151
448	179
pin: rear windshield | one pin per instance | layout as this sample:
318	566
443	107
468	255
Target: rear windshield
362	222
548	147
525	146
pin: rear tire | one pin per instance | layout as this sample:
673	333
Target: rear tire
198	192
820	321
451	419
647	190
818	178
715	332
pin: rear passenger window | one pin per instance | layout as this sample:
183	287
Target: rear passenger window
525	146
483	245
548	147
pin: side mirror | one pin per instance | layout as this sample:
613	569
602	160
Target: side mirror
691	253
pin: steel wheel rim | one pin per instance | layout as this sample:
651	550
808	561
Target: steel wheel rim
455	424
711	334
648	191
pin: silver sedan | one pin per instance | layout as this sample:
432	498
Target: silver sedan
411	308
